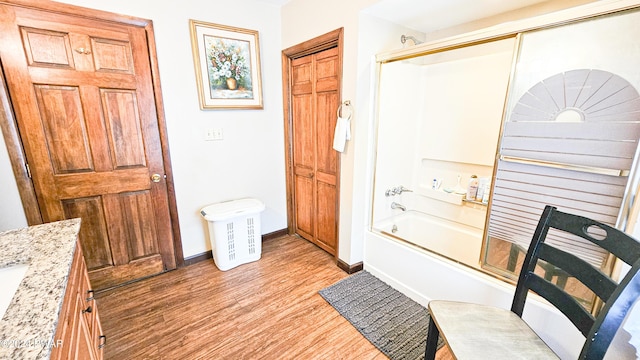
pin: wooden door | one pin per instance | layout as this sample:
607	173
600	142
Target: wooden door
84	102
315	100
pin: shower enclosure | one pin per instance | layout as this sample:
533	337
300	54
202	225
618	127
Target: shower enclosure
545	116
439	123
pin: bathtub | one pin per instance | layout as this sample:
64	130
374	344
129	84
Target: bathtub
453	240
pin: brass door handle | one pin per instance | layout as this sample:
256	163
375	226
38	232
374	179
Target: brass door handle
82	50
156	178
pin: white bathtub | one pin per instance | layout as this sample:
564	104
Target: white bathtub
456	241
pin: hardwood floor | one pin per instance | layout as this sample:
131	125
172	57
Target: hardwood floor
269	309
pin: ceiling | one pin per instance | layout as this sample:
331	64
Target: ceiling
275	2
431	15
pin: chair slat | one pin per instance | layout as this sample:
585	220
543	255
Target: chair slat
593	278
569	306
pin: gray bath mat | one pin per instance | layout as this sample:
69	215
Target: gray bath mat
391	321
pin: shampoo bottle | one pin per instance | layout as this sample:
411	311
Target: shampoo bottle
472	189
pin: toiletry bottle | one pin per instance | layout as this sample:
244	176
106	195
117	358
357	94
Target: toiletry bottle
482	183
485	196
472	188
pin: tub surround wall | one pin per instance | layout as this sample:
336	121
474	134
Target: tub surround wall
439	117
32	316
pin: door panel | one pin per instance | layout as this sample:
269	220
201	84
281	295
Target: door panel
120	109
63	122
326	122
112	55
96	247
304	149
326	215
304	207
86	113
315	94
47	48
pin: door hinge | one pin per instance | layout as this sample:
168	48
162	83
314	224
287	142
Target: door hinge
28	170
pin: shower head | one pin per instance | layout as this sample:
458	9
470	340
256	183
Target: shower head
404	38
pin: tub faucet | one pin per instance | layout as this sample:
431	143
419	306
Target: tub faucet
395	205
396	191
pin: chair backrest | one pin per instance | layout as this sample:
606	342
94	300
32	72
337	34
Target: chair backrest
618	298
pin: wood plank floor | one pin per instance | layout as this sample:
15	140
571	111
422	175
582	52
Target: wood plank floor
269	309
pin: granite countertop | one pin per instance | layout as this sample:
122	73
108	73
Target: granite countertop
29	324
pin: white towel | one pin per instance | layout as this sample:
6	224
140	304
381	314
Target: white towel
342	133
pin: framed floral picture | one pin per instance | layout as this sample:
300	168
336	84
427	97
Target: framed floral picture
227	65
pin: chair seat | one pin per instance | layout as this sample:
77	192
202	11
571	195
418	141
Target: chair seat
475	331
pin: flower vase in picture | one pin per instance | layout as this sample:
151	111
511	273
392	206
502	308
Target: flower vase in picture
232	84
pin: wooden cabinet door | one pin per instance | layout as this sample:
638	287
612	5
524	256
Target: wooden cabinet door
83	96
84	349
315	100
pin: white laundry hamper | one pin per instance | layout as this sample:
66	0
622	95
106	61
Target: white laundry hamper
234	230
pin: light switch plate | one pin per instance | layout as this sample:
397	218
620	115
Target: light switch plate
213	134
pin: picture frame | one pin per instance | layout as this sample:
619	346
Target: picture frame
227	66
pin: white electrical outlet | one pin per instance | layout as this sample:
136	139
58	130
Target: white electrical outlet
213	134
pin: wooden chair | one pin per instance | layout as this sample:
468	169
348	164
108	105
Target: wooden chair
483	332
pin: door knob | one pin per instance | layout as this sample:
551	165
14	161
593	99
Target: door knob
156	177
82	50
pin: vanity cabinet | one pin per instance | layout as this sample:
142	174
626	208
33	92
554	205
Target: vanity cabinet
79	333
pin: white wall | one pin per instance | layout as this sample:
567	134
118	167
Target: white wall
249	162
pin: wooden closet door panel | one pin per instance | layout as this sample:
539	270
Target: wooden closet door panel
326	174
326	217
305	214
89	125
304	159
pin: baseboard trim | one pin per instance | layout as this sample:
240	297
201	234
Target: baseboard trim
276	234
209	255
197	258
350	269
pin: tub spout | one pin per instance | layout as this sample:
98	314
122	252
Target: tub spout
395	205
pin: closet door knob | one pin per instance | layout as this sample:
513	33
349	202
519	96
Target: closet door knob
156	177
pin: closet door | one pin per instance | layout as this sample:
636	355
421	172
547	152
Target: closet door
84	102
315	90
